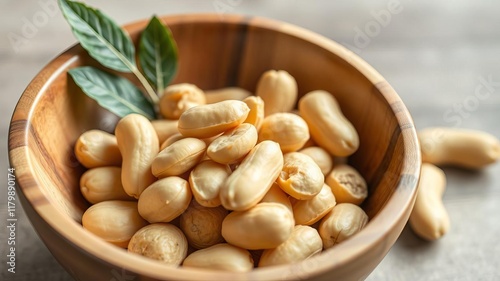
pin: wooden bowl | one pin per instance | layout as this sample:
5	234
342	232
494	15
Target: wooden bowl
216	52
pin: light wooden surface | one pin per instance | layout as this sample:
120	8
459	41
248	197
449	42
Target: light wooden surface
435	55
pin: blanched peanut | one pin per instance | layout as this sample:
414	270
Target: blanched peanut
179	157
429	218
221	257
328	126
178	136
176	99
209	120
256	114
202	226
229	93
248	184
209	140
278	89
310	142
114	221
320	157
301	177
165	200
173	138
308	212
347	184
342	222
165	128
287	129
264	226
160	241
103	184
96	148
233	144
276	195
304	242
458	147
206	180
138	145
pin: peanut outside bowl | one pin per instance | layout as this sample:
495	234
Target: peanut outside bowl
216	52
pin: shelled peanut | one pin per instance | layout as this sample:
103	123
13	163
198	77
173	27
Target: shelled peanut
462	148
232	177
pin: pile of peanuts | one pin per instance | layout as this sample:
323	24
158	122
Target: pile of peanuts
235	180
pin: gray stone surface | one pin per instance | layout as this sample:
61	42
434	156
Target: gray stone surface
434	53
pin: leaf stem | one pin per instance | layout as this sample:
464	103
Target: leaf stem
149	90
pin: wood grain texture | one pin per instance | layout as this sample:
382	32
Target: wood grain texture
214	53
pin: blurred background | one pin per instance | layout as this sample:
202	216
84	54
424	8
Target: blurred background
442	57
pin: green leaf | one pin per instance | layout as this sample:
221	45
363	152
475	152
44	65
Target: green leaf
158	54
112	92
103	39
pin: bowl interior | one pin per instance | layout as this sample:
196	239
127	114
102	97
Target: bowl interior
218	52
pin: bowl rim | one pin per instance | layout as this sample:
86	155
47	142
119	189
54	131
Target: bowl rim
386	220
